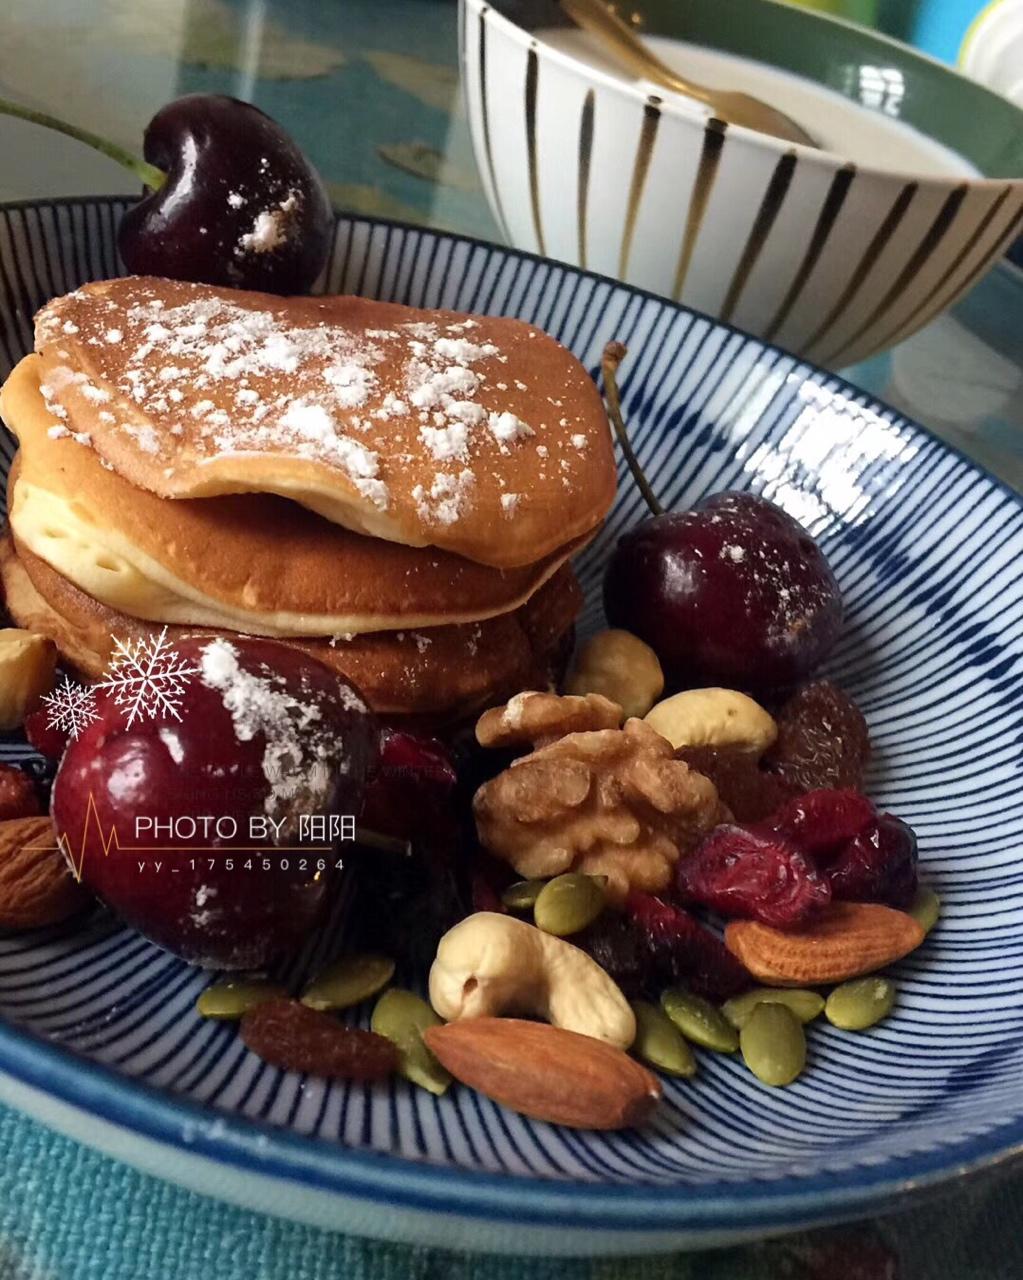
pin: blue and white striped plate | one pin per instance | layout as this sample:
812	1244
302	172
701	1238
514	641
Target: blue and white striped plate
98	1036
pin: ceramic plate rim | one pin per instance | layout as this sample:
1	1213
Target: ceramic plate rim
247	1145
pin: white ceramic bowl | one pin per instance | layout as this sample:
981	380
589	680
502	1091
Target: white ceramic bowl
833	260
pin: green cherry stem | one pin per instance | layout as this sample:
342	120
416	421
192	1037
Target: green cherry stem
614	354
149	174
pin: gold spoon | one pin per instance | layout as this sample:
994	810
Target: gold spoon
735	108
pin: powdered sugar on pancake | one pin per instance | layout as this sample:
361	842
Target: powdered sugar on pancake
428	417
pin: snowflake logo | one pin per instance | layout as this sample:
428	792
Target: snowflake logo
70	708
147	678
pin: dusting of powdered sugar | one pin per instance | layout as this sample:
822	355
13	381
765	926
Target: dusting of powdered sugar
424	404
171	739
301	755
446	499
272	227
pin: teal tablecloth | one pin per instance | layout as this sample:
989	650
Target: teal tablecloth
67	1213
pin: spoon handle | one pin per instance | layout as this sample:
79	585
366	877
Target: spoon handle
603	22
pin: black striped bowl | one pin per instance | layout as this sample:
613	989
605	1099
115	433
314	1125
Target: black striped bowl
832	259
98	1035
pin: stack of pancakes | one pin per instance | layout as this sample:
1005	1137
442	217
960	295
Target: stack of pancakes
393	490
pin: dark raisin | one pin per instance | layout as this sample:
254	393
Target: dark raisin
411	787
749	792
18	798
822	740
287	1034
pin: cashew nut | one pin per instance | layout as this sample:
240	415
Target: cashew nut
27	663
621	667
714	718
489	965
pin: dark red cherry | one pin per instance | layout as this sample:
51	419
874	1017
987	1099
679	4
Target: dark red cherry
241	205
734	592
169	820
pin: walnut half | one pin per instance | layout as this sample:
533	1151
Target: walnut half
533	717
610	802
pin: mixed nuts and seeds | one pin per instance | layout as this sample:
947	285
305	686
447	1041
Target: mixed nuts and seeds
676	856
817	896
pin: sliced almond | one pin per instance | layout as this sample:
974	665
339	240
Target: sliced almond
850	939
547	1072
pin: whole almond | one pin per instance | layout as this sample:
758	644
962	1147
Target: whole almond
546	1072
850	939
36	886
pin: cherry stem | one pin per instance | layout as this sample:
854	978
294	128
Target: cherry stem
148	174
614	354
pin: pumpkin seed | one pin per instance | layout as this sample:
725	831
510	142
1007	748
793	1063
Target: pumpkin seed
659	1043
521	895
700	1021
806	1005
861	1003
348	981
402	1017
773	1044
567	904
926	908
228	1000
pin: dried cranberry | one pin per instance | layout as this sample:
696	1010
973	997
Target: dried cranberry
682	950
879	865
411	787
47	740
755	876
822	740
18	798
821	822
749	792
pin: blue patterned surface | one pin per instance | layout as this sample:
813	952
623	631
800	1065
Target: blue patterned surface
926	549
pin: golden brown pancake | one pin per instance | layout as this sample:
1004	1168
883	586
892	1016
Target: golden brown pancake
479	435
253	563
443	673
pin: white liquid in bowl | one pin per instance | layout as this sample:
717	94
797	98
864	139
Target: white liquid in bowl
866	132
